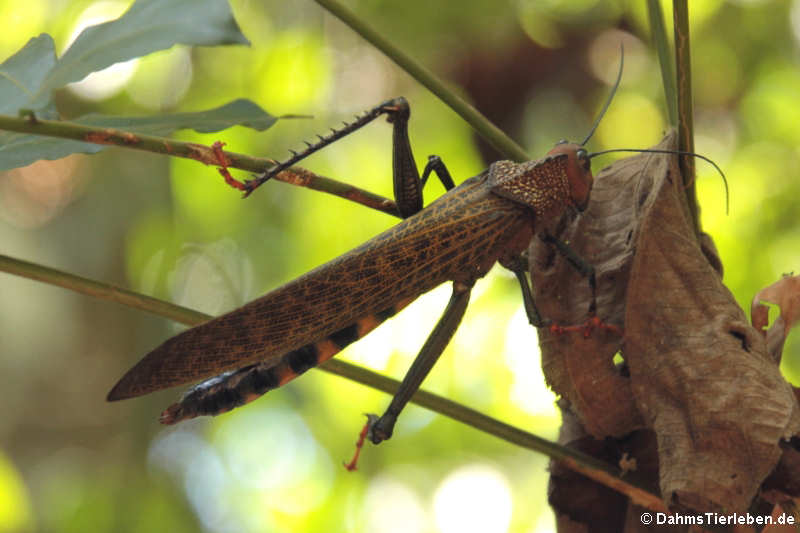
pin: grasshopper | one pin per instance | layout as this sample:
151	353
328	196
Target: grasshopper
489	218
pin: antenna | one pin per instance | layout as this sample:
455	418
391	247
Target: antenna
677	152
610	96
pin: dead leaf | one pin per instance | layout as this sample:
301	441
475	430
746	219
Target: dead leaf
784	481
581	370
785	293
701	376
697	374
580	503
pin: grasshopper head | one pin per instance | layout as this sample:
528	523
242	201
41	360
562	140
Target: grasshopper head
579	172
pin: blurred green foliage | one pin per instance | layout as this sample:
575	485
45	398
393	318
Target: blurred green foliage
172	228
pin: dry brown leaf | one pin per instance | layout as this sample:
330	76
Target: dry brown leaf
701	376
581	370
581	504
785	293
784	482
776	527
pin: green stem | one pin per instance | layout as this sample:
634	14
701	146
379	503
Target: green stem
574	460
491	133
111	136
579	462
199	152
100	290
685	112
658	34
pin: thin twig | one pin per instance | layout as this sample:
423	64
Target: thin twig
685	112
658	35
100	290
199	152
491	133
110	136
588	466
305	178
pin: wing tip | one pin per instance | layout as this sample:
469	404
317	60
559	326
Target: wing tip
128	386
118	392
135	381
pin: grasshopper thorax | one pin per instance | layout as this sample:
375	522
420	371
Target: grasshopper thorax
548	186
578	172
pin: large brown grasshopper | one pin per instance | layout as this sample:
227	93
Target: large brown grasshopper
488	218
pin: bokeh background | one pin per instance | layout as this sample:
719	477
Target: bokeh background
69	461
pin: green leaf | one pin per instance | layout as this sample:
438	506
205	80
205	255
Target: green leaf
22	74
18	150
148	26
28	78
240	112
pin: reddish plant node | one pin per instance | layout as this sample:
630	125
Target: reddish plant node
98	137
